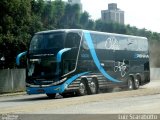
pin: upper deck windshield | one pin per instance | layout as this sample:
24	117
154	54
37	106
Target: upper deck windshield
47	41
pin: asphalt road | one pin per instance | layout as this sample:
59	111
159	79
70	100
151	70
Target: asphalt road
144	100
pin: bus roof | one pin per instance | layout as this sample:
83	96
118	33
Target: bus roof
84	31
58	30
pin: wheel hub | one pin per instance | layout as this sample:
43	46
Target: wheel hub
82	88
92	87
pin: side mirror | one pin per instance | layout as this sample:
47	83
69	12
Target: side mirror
59	54
19	57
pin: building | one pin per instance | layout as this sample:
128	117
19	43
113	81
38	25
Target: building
113	14
72	2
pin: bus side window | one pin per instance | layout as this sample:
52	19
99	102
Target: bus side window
72	40
55	41
122	43
132	44
84	45
142	45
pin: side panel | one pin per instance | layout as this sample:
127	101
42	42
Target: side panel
95	58
117	56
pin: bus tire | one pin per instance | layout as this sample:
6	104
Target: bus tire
83	90
51	95
130	83
136	84
93	86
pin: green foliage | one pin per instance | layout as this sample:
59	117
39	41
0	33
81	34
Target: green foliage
71	16
20	19
14	24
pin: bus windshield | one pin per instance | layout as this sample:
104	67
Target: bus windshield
47	41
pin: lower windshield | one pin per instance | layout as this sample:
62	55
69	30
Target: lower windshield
47	41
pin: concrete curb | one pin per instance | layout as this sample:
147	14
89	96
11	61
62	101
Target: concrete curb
12	94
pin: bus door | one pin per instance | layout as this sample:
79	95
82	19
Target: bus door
70	58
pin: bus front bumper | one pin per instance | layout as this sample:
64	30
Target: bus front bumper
45	89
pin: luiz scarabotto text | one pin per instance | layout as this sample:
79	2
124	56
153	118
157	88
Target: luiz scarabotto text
137	117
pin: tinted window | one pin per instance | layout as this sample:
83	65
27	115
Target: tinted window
132	44
84	44
47	41
142	45
98	40
123	43
112	42
72	40
137	44
118	42
55	41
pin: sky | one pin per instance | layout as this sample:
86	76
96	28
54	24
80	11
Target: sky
139	13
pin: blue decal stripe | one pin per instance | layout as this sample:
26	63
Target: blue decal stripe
95	58
70	80
59	54
61	88
19	57
55	89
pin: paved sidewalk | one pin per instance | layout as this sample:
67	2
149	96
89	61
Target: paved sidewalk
12	94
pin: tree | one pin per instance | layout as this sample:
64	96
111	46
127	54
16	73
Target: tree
71	16
90	24
14	22
84	19
58	13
